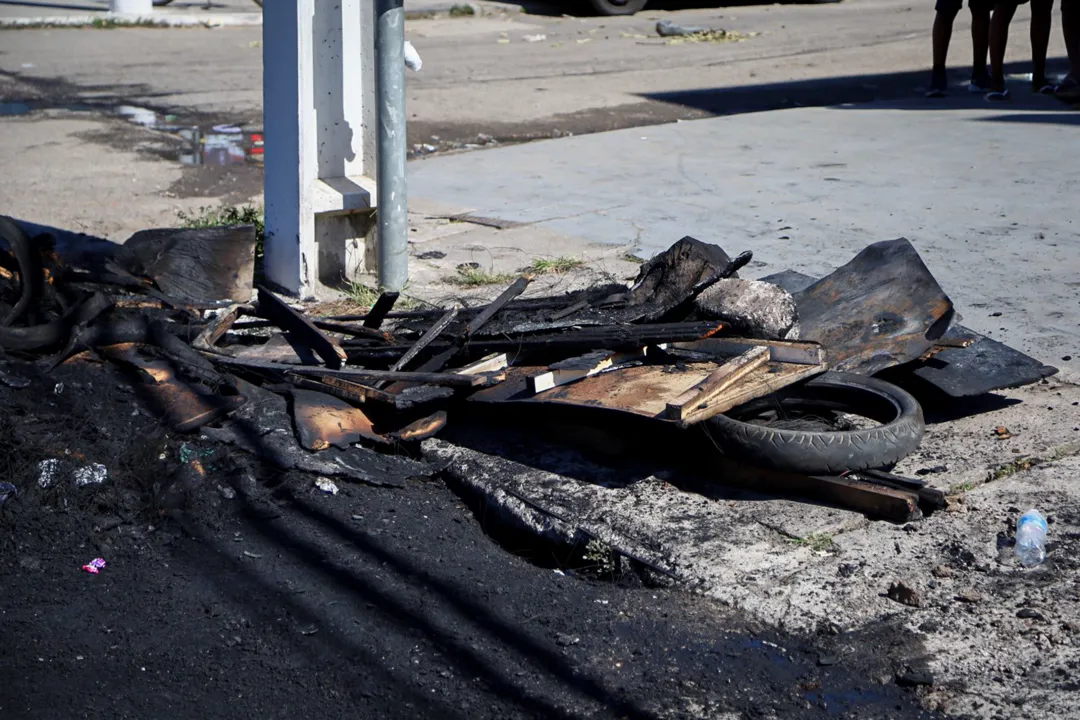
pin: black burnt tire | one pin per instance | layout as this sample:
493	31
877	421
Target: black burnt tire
824	452
617	7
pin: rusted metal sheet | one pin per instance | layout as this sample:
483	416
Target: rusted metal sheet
883	308
983	366
323	421
953	365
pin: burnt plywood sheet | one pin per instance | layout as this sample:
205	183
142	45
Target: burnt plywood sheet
643	390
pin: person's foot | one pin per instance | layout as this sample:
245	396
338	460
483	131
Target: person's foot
939	84
1042	86
980	83
997	92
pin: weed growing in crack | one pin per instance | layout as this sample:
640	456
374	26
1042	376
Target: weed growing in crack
818	542
475	277
365	296
555	266
602	556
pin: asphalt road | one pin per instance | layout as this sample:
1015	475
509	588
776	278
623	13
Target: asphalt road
497	78
493	74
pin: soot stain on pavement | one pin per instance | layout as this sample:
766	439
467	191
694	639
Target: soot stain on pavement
254	594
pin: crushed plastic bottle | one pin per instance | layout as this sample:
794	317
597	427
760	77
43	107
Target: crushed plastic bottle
412	58
1031	530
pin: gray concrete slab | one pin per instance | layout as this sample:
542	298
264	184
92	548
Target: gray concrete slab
980	190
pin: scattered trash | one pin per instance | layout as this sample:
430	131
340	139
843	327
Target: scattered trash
227	129
1002	433
254	556
6	491
326	485
412	58
227	492
94	474
564	640
1031	531
431	255
667	28
534	38
58	389
94	566
47	471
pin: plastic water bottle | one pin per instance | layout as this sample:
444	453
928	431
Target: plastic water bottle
1031	531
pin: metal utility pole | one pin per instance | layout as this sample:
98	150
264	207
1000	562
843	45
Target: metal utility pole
393	220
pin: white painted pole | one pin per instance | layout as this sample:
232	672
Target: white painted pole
131	7
318	115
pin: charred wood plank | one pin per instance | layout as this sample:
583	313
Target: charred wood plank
515	289
277	311
567	371
196	265
187	358
182	406
448	379
213	332
491	363
354	330
426	339
380	310
353	392
51	334
932	498
583	340
698	403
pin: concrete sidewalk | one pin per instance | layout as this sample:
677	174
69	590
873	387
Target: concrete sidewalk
180	13
982	191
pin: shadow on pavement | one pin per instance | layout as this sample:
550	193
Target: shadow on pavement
904	88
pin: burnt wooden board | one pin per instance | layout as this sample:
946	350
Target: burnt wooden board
644	390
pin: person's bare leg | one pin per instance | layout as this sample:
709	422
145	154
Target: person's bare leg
999	39
942	34
1041	20
980	41
943	26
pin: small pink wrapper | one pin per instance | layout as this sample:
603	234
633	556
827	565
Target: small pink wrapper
94	566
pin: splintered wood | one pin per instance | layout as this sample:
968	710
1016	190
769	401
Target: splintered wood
705	399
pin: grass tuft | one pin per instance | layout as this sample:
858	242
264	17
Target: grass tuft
470	277
555	266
